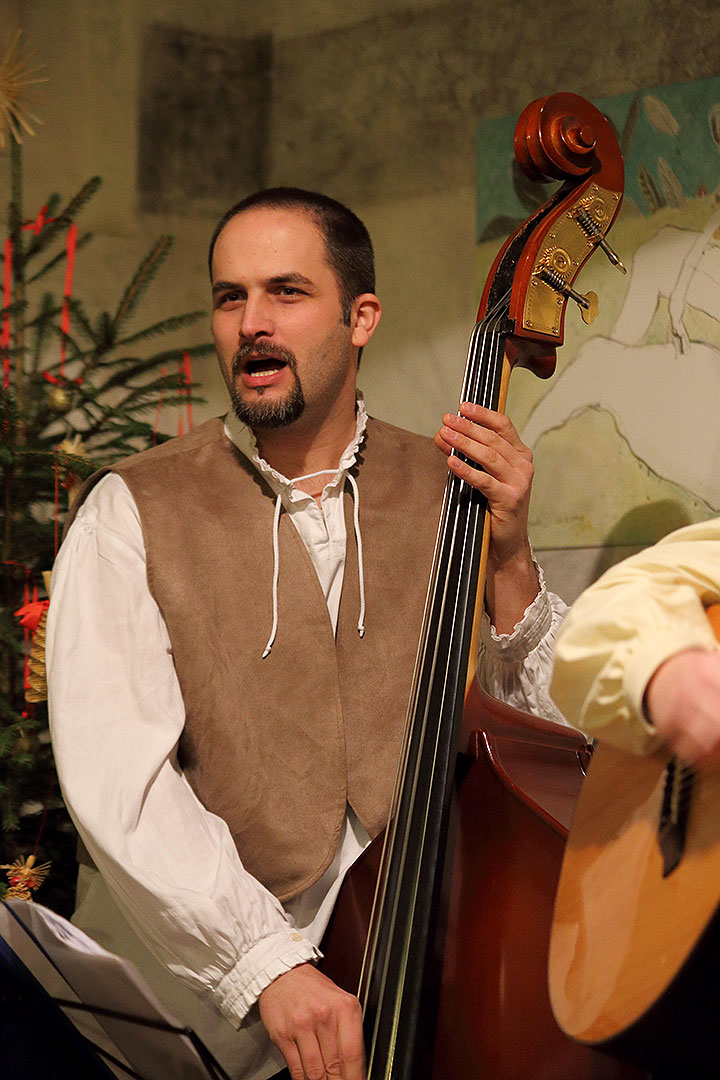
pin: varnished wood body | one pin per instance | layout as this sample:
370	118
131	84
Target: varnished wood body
634	956
493	1012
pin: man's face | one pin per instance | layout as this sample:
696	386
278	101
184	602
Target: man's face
277	319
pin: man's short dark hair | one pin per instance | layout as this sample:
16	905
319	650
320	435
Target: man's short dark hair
348	244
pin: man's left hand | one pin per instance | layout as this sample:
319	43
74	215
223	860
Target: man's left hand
505	478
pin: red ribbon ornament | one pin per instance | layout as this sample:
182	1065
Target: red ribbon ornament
70	248
31	612
7	296
40	221
30	615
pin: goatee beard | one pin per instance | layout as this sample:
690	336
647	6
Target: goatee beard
268	414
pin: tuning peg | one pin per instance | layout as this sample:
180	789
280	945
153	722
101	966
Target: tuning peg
593	230
612	256
588	304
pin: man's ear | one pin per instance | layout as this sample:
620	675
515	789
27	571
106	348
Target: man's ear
364	317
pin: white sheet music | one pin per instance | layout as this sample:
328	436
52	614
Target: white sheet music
80	969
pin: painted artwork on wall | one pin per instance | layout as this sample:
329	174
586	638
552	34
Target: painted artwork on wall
626	435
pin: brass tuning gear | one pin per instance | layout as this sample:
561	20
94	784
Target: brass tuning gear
588	304
589	226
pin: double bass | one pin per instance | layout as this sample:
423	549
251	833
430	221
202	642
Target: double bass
442	926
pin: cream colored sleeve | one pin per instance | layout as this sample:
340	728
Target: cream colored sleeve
622	628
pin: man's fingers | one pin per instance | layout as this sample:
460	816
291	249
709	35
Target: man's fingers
477	478
485	444
316	1025
312	1058
291	1053
350	1041
502	475
341	1042
490	457
496	422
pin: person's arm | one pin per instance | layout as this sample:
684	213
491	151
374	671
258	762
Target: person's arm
116	717
505	479
521	617
613	675
516	667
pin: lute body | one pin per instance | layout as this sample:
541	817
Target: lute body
636	935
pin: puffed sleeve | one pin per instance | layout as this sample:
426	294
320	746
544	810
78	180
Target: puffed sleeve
638	614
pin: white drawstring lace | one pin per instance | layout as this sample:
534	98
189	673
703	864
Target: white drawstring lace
276	554
276	574
358	538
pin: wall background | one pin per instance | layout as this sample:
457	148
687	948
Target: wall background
183	106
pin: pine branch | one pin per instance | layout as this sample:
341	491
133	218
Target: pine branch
126	374
132	367
167	356
106	410
65	218
10	819
40	326
177	322
82	320
179	400
74	462
9	416
105	332
50	313
144	274
53	203
14	308
81	242
76	350
125	441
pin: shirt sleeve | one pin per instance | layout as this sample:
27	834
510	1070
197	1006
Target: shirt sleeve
116	715
516	667
638	614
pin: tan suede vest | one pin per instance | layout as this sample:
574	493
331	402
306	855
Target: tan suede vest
277	747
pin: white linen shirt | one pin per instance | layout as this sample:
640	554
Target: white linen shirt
116	715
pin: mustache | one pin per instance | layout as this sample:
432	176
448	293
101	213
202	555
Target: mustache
258	349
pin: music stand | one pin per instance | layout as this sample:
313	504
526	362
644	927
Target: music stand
93	1004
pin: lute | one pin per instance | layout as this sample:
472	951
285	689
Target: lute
636	937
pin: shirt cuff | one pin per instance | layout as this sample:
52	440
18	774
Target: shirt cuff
526	635
257	968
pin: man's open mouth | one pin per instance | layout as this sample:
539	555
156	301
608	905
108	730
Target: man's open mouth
263	365
261	370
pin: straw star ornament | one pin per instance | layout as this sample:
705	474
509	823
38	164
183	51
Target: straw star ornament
18	75
24	876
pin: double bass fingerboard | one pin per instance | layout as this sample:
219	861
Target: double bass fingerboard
400	967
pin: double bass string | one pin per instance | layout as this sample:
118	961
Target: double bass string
420	798
425	811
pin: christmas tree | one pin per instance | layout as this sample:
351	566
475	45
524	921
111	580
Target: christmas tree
78	390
